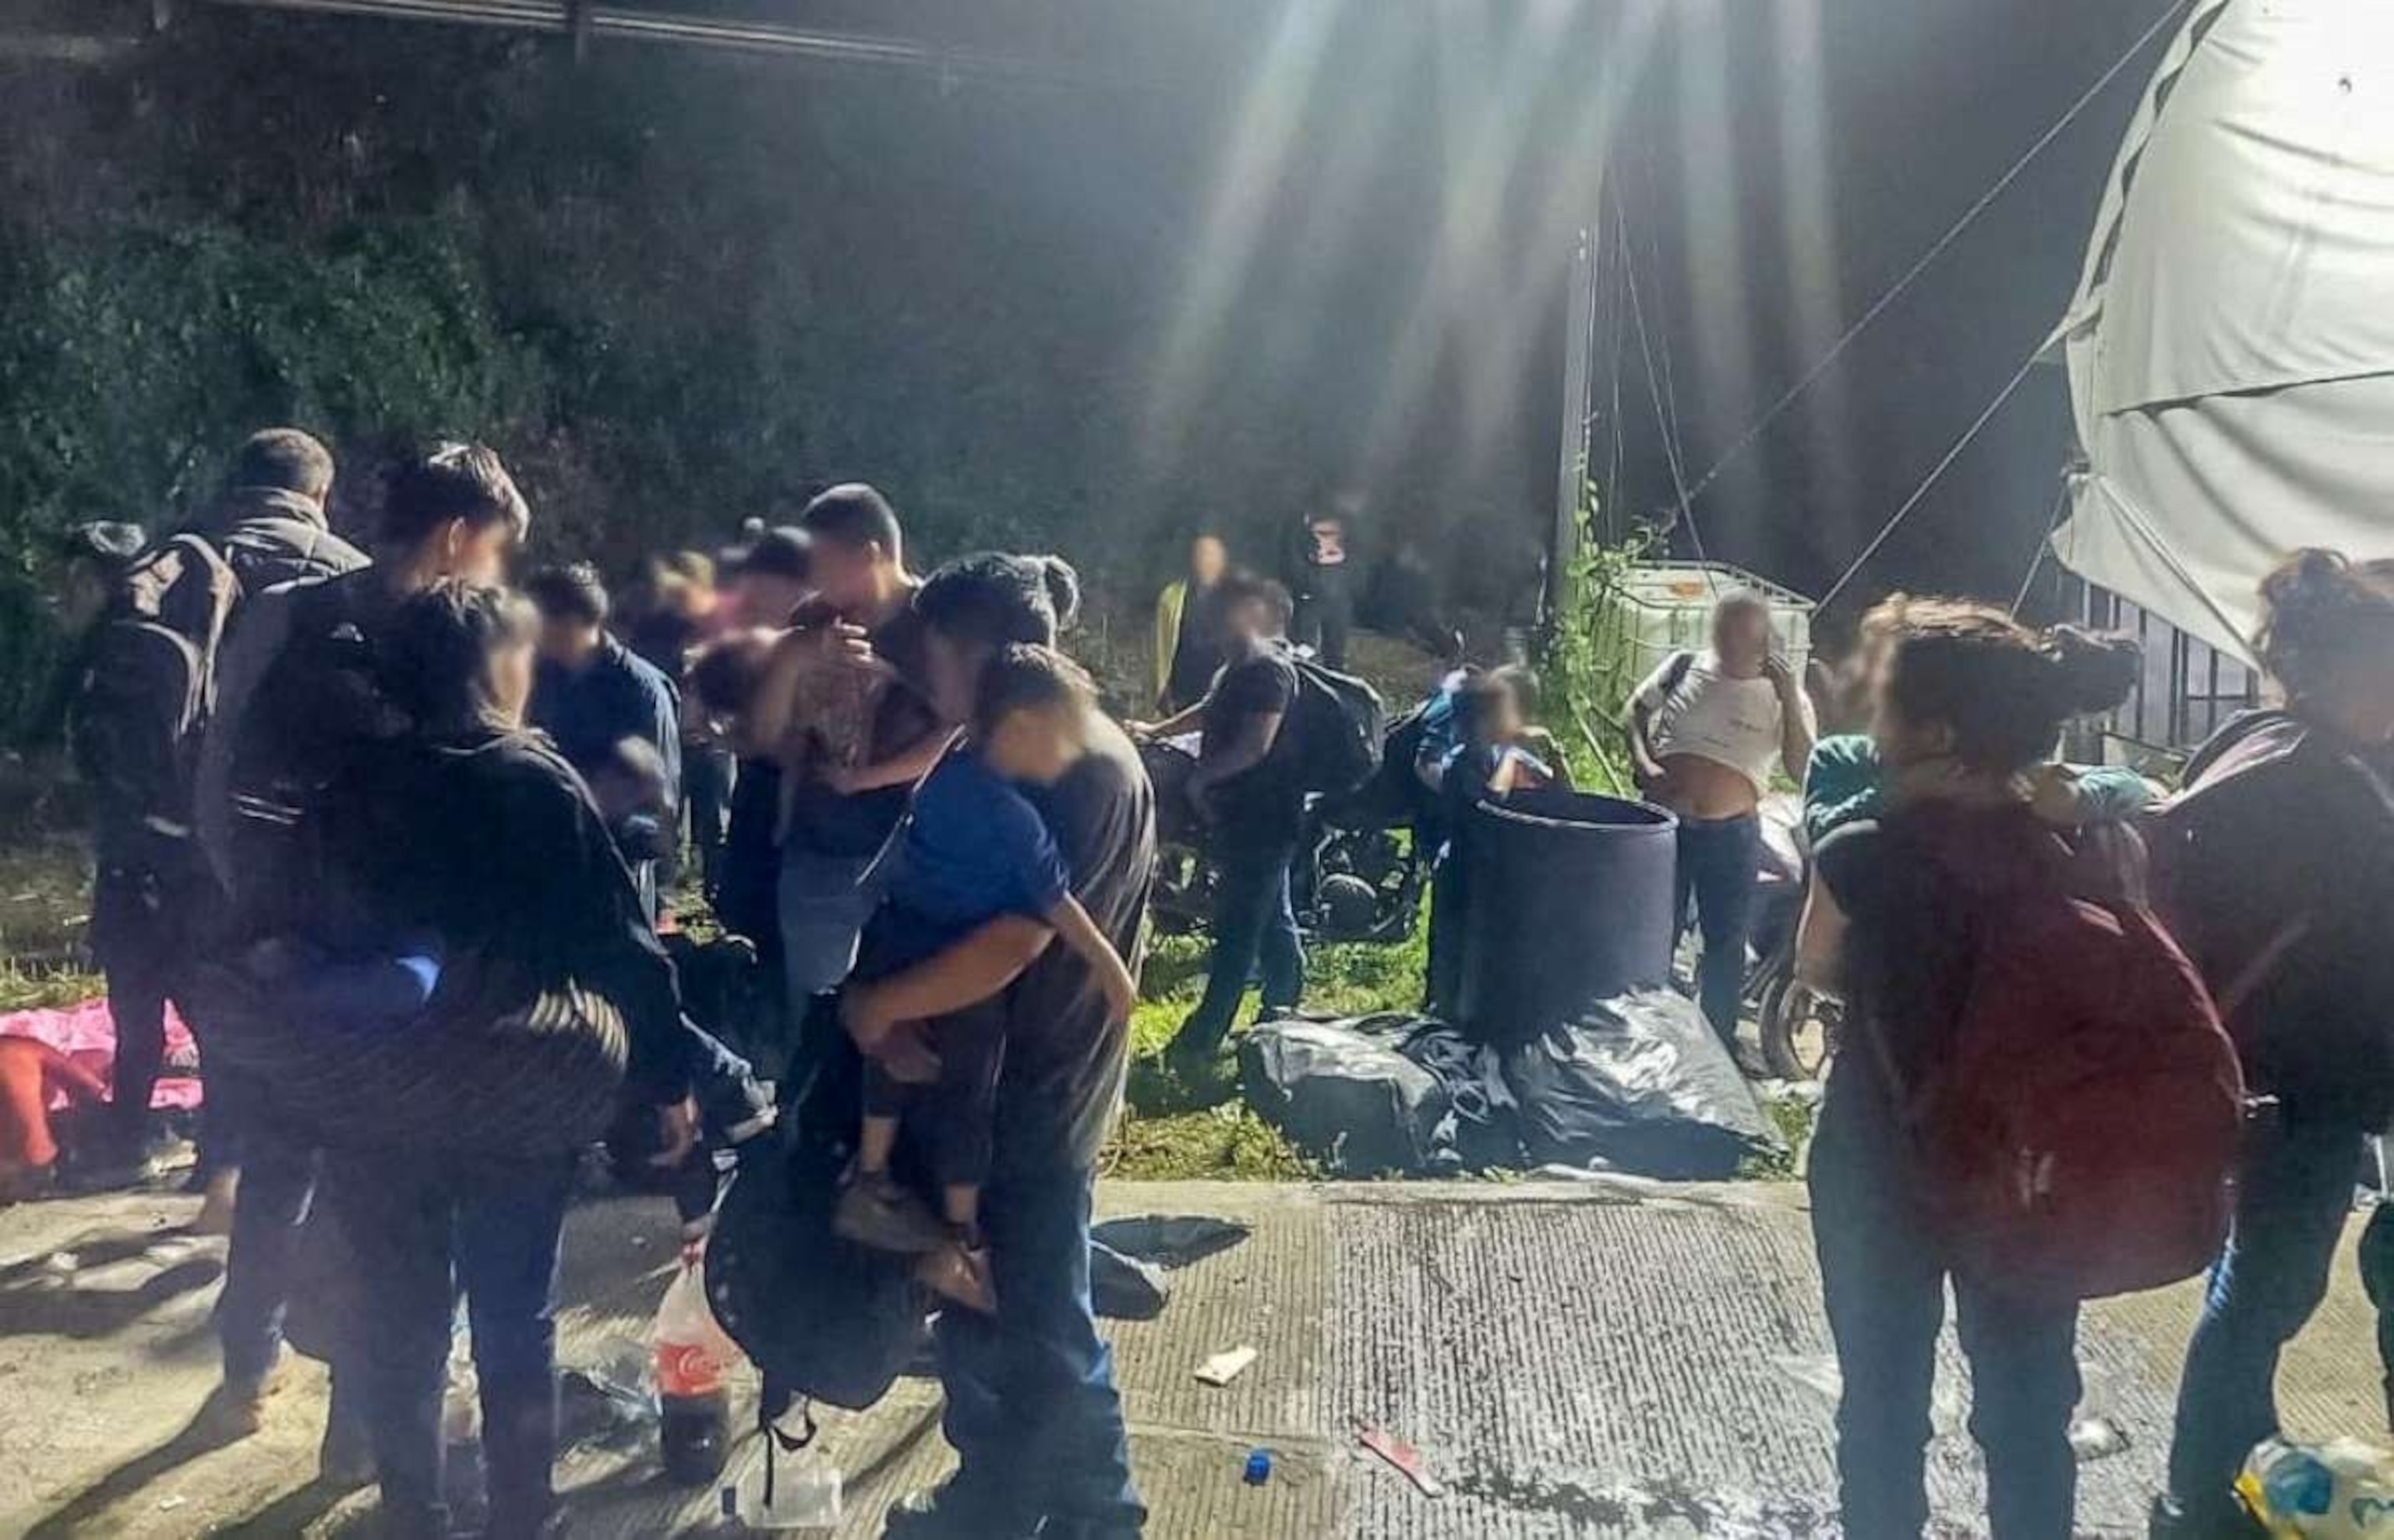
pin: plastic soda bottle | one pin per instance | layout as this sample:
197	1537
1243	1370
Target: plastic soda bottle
692	1360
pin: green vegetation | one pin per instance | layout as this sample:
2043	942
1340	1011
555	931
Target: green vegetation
1173	1130
45	896
673	290
1586	661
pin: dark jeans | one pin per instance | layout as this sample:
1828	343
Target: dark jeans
1884	1286
278	1185
1325	615
141	929
1033	1413
706	776
1719	860
2294	1192
952	1118
421	1226
1255	921
1449	895
2377	1279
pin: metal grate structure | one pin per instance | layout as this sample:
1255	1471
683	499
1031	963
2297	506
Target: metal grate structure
2188	687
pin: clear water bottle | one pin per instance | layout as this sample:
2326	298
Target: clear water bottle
786	1492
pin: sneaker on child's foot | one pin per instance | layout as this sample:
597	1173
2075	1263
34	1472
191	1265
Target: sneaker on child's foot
959	1273
877	1210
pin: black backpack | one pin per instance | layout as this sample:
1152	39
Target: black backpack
2220	863
821	1317
1393	792
146	697
1340	727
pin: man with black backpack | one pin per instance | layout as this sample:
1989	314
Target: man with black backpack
135	683
271	525
1250	788
142	706
299	702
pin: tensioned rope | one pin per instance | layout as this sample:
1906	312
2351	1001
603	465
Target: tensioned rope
2043	549
1663	417
1968	435
1935	249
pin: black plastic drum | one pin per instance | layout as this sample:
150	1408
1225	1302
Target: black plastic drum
1570	904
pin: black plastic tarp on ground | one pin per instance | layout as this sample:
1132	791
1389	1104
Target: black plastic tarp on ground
1638	1084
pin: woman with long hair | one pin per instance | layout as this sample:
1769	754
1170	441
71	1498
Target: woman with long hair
554	1006
2278	867
1965	705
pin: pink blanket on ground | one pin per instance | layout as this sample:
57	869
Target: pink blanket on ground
86	1033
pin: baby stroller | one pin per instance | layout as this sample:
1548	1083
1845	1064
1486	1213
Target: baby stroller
1355	880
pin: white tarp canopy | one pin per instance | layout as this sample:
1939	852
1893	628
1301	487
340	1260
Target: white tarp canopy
2231	348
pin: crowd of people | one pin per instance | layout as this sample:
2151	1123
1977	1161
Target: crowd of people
388	821
339	796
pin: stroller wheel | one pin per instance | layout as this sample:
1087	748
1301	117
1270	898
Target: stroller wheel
1348	907
1799	1030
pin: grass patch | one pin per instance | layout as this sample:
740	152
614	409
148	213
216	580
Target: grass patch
1793	1117
45	905
1174	1129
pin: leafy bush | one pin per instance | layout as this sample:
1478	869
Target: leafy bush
1586	660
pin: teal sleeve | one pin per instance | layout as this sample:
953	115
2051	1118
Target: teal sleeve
2111	794
1842	785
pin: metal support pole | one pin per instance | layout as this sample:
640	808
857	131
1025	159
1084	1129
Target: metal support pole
1570	479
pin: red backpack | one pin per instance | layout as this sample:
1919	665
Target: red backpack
2079	1133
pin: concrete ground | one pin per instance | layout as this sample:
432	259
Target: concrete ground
1577	1358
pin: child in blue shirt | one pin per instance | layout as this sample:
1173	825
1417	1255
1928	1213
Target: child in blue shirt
974	851
1496	753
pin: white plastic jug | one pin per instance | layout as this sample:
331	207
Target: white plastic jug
805	1495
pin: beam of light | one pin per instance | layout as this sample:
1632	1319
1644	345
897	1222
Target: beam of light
1579	201
1331	250
1494	366
1808	223
1238	210
1487	115
1714	240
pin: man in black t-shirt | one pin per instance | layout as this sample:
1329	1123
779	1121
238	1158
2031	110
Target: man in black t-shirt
1247	790
1033	1412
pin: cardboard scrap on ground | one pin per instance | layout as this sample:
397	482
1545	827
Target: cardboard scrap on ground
1224	1367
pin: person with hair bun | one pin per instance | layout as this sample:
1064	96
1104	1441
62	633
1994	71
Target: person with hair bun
472	830
975	850
1966	704
2276	868
1033	1412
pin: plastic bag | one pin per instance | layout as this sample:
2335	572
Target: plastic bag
1485	1127
1125	1288
2338	1491
1357	1106
693	1352
1640	1082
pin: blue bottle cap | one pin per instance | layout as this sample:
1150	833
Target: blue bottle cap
1259	1467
